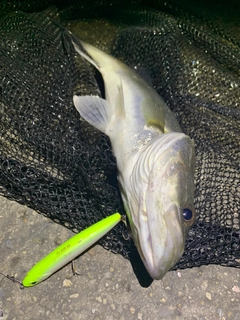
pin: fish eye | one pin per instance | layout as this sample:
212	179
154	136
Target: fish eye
187	214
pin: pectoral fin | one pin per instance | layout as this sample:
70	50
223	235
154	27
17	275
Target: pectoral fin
155	111
94	110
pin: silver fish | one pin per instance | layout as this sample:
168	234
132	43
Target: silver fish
155	159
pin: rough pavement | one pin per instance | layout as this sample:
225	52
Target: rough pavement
107	288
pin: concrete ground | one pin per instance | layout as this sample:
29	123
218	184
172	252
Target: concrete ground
107	288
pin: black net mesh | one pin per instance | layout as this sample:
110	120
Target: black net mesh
62	167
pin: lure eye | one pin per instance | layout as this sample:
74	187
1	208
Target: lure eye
187	214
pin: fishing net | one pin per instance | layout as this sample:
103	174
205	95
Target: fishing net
57	164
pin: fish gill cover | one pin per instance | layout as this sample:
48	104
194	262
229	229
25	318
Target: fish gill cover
64	168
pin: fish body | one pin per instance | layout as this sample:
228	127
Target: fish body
155	159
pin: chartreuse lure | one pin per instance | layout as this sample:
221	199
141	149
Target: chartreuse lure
69	250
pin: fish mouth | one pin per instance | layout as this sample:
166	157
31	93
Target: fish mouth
160	252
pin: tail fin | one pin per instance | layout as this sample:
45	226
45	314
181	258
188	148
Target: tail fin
80	47
78	44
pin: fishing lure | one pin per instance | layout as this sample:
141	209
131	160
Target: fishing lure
69	250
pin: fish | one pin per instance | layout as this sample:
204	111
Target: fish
155	159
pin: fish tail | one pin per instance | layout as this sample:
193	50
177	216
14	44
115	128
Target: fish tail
80	46
95	56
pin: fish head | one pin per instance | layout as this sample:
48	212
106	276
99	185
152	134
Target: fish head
160	202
